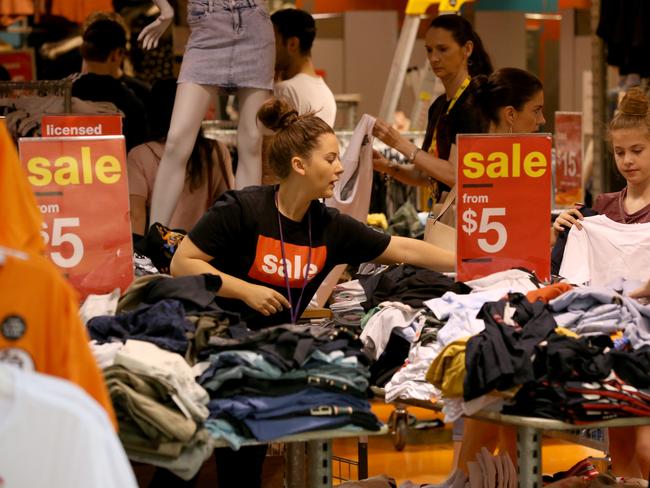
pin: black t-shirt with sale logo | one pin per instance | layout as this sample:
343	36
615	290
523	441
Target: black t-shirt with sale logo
241	232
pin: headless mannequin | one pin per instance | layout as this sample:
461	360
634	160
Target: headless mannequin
192	102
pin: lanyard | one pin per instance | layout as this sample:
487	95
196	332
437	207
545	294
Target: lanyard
294	311
433	149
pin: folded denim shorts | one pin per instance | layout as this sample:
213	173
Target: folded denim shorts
231	44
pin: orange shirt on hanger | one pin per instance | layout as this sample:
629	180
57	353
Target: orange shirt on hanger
21	221
40	328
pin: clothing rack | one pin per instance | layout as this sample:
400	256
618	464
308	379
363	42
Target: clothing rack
61	88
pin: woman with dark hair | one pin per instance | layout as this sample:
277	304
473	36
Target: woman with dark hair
456	54
511	100
207	175
248	233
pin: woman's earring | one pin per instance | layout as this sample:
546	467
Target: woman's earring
510	129
469	62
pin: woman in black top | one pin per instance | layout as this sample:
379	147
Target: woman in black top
273	246
456	54
247	235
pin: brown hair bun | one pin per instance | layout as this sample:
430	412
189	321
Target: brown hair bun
277	114
634	103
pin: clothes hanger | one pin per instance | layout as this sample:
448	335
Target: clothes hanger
7	251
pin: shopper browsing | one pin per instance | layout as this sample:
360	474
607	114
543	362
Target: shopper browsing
456	54
263	240
630	135
272	246
296	77
511	100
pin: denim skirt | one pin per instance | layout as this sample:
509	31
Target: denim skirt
231	44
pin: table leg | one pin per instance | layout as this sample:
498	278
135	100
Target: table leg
362	448
529	457
319	454
295	470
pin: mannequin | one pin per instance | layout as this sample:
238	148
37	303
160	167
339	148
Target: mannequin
231	47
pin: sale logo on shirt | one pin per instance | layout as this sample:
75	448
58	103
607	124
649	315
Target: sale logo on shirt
269	267
81	188
81	125
503	204
568	156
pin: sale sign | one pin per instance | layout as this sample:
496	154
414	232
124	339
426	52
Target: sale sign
568	155
81	125
503	204
81	188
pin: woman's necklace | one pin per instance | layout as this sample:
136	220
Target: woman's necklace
294	310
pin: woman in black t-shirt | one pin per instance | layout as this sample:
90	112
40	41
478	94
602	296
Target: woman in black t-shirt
456	54
273	246
247	235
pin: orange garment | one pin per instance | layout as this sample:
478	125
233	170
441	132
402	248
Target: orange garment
78	11
16	7
40	327
548	293
21	219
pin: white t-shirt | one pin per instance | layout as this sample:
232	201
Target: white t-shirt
307	93
53	434
604	251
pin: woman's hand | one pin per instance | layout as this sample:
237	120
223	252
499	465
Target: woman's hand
151	34
379	162
263	299
567	220
386	134
642	292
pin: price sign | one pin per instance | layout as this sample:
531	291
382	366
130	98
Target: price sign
568	155
503	204
81	189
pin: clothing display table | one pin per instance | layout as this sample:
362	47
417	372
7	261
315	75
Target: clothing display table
309	455
529	434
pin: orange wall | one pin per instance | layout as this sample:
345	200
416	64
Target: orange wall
332	6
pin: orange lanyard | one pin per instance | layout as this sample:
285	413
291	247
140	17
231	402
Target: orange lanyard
433	149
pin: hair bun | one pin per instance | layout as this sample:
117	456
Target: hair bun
634	103
276	114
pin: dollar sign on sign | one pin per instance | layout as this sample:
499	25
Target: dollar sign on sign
469	219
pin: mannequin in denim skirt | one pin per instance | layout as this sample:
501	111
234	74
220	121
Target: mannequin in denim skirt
231	49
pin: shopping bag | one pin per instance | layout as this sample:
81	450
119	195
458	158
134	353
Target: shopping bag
438	230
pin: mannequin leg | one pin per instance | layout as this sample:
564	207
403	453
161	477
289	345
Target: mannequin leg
622	449
191	103
476	435
642	449
249	137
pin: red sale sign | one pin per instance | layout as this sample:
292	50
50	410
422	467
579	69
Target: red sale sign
81	125
503	204
568	156
81	188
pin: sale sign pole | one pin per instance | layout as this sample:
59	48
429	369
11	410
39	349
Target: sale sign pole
503	204
81	189
568	154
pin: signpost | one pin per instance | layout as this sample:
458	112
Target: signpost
81	188
568	154
503	204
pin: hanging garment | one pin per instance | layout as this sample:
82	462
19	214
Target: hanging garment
352	191
605	250
50	425
40	329
21	219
